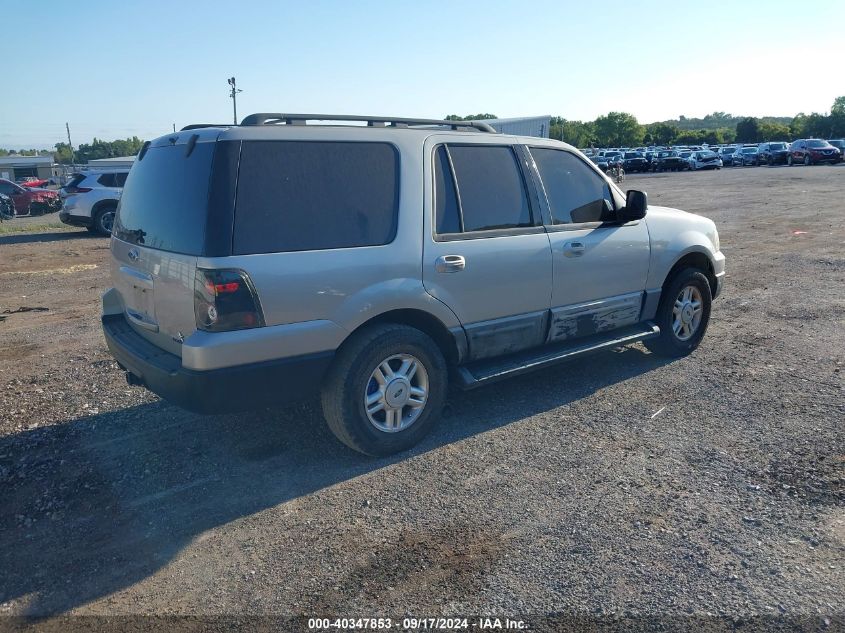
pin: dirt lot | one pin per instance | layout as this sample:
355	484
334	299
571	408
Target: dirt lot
626	484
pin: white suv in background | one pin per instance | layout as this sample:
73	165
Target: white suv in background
90	199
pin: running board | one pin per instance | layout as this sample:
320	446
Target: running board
484	372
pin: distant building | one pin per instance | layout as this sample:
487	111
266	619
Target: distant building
120	162
16	168
523	126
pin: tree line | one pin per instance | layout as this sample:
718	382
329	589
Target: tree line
86	151
614	129
620	129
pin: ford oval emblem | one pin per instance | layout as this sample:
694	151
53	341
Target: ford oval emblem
134	254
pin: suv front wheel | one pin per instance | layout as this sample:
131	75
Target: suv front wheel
683	314
385	390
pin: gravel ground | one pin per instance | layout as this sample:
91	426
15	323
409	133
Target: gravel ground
624	484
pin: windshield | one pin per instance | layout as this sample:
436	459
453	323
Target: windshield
817	143
706	154
777	146
749	150
633	155
728	150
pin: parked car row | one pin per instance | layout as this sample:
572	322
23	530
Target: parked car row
658	159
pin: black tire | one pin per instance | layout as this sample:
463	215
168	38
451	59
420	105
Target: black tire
348	379
103	219
807	160
668	343
789	161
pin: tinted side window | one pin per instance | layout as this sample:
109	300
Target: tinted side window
490	187
107	180
120	179
575	192
296	196
447	215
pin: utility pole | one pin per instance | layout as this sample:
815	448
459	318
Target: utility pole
234	95
69	142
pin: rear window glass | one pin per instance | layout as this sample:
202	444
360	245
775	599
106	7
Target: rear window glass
75	180
296	196
165	201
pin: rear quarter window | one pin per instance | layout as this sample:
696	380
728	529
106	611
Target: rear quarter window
301	195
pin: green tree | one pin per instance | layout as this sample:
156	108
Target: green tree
748	130
773	131
618	129
470	117
108	149
660	133
575	133
63	155
837	118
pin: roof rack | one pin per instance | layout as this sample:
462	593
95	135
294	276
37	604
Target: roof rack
274	118
197	126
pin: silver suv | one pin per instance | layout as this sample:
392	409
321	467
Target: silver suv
371	264
90	199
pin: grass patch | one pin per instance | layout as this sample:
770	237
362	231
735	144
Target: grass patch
10	226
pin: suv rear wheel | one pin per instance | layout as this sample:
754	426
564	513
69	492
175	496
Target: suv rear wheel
385	390
104	220
683	314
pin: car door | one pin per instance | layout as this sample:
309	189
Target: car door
486	254
599	266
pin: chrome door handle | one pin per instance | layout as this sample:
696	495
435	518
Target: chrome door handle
449	263
574	249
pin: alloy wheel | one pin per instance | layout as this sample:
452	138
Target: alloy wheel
687	312
396	393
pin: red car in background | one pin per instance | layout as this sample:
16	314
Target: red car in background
812	151
30	200
35	183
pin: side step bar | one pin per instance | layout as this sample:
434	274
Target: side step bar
484	372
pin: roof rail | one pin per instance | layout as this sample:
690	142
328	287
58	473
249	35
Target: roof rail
197	126
273	118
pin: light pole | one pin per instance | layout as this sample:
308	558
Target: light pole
234	94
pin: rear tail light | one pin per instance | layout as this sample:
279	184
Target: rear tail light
225	300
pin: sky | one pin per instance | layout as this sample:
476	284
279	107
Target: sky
119	68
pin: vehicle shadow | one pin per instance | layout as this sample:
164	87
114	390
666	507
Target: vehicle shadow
94	505
55	236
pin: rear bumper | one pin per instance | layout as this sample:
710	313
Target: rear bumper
75	220
223	390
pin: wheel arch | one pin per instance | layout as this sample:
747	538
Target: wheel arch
693	259
101	204
451	342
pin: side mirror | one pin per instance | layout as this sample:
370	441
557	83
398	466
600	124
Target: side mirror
636	204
